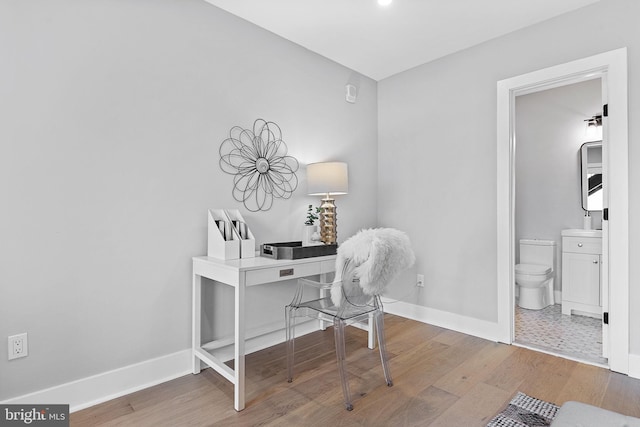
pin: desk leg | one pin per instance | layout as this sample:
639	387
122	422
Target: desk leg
239	348
324	293
196	316
371	331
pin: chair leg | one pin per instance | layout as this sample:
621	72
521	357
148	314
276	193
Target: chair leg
382	344
338	328
290	337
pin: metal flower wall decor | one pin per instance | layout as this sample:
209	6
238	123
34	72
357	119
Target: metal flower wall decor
259	162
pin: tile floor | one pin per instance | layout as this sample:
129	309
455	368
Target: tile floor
579	337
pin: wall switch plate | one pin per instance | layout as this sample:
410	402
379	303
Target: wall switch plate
420	281
18	346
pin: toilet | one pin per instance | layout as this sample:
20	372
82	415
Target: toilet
535	272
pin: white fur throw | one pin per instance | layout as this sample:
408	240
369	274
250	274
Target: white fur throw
378	255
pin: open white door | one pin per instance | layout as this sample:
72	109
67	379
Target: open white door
604	261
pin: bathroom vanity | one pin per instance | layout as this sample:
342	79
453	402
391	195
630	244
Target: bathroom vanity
581	272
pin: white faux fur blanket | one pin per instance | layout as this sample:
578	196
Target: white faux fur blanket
378	255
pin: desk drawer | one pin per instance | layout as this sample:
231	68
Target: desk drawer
582	245
276	274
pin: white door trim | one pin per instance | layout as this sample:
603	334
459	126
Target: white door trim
614	64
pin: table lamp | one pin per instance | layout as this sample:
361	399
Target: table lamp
328	179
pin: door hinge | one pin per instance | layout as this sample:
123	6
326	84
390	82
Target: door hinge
605	214
605	318
605	110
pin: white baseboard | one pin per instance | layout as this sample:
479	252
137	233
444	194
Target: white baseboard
557	295
444	319
105	386
86	392
634	365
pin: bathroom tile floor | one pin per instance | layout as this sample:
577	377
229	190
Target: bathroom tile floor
578	337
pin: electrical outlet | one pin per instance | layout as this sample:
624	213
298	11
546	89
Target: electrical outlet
18	346
420	281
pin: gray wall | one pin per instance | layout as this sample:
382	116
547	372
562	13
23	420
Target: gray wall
112	115
550	129
437	152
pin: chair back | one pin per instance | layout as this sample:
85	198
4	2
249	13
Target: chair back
350	286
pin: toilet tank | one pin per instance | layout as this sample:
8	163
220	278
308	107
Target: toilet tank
541	252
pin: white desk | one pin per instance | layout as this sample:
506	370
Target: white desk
241	273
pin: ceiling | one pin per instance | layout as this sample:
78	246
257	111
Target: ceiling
379	41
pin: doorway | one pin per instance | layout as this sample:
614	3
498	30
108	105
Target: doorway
550	129
613	67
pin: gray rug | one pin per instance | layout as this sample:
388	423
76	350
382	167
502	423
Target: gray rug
525	411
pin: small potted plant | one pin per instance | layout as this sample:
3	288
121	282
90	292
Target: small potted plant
310	234
311	215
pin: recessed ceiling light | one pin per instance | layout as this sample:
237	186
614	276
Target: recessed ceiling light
384	2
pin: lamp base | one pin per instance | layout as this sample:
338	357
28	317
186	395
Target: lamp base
328	217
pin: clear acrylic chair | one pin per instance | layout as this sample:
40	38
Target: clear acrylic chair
356	306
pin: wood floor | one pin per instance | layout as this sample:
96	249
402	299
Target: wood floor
441	378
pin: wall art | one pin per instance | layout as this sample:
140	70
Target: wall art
258	160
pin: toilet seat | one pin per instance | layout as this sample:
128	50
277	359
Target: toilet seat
533	269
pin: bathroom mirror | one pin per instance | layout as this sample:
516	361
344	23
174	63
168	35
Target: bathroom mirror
591	159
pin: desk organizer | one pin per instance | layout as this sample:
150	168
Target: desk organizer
244	234
222	242
229	236
295	250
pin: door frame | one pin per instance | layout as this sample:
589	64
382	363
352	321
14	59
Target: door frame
613	65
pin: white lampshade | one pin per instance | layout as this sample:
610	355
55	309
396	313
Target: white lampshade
327	178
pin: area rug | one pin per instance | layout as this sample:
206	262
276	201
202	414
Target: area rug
525	411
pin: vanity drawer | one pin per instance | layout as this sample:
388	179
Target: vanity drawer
276	274
582	245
